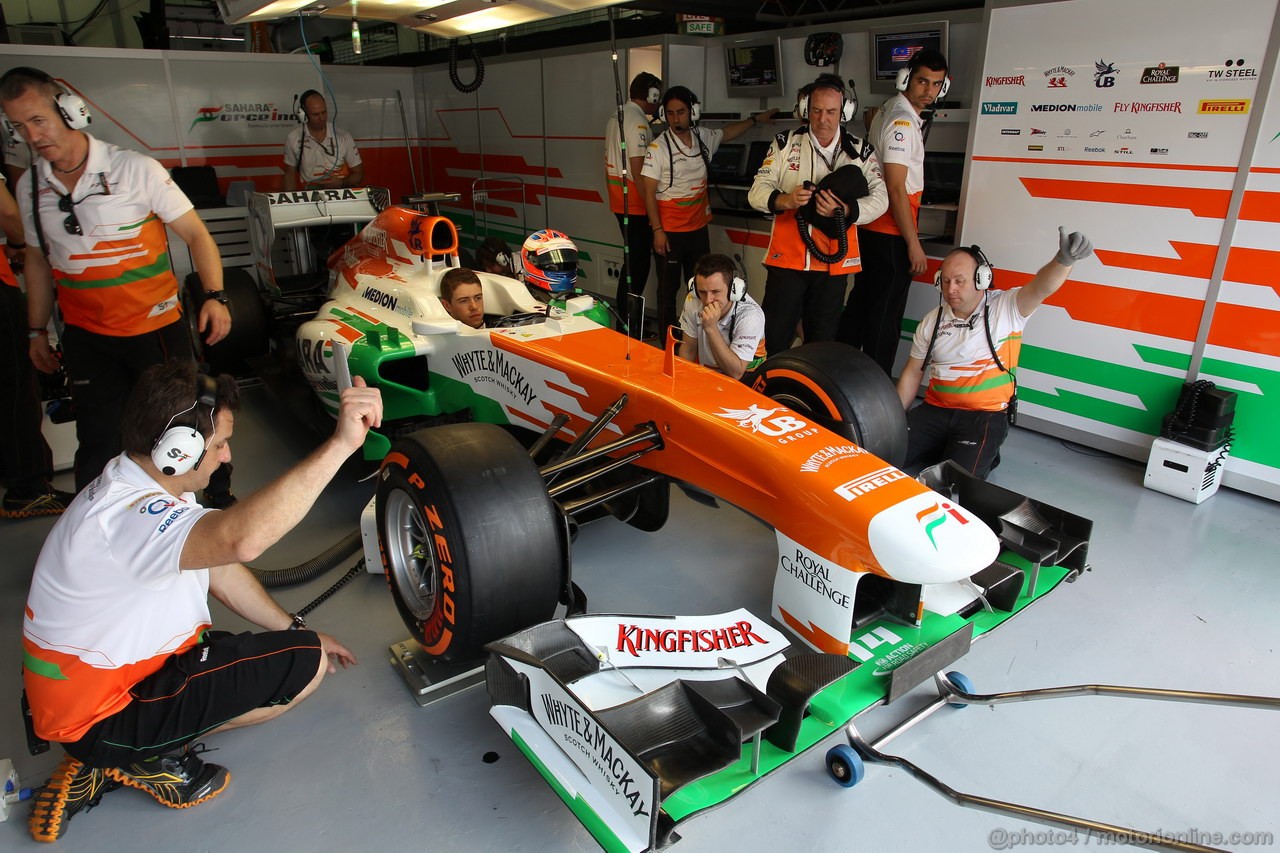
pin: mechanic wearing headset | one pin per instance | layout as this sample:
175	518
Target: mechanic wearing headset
119	666
463	297
971	343
674	179
98	233
644	92
891	250
723	326
316	154
801	286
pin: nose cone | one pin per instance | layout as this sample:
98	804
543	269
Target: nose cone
929	539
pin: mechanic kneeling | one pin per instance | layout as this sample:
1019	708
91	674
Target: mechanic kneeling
972	341
119	666
722	326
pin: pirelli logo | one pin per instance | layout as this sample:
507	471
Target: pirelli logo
1232	106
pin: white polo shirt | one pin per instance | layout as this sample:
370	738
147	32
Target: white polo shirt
108	603
896	134
742	327
337	156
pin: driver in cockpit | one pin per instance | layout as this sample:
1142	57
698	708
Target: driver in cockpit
463	297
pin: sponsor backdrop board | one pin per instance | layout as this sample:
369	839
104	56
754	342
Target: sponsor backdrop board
1132	129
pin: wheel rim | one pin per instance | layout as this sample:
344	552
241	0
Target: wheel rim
412	560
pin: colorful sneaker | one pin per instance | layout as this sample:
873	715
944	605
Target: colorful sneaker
177	781
52	502
73	787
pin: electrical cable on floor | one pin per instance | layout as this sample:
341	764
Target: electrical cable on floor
1083	450
337	585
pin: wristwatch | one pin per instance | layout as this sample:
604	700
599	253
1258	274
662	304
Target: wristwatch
298	622
219	296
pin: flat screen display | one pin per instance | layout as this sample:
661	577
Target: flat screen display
891	50
753	69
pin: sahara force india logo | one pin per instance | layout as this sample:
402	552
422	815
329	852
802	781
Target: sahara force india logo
933	517
259	114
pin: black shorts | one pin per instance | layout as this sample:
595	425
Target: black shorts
195	692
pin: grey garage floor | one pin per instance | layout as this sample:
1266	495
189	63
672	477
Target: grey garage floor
1180	596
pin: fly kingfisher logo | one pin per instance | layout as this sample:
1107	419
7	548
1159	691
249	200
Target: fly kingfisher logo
933	517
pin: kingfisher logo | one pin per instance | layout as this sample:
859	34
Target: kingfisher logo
1020	80
933	517
999	108
1236	106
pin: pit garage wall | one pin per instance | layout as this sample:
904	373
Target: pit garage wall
231	112
1180	200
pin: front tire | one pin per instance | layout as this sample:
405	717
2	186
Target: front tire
844	390
469	538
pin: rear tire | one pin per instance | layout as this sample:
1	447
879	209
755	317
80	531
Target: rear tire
468	536
844	390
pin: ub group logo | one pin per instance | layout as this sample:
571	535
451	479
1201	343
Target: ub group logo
763	421
933	517
1104	74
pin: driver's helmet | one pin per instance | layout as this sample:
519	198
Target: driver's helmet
549	260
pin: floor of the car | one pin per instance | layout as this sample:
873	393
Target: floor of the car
1180	596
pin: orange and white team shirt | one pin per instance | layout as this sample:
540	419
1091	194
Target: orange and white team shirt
336	157
108	604
681	174
963	374
114	278
635	125
896	134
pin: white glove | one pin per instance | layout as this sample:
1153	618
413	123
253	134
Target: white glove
1072	247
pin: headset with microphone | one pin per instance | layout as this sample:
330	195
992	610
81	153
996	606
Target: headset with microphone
71	107
848	98
301	102
983	274
181	448
903	80
737	288
685	96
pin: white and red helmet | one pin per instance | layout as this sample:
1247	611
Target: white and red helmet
549	260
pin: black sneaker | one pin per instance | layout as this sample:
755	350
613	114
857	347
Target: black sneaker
52	502
73	787
177	781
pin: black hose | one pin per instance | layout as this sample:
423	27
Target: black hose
842	240
465	88
313	568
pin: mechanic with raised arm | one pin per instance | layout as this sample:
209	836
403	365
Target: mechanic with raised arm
723	326
675	183
634	134
971	343
96	229
119	665
463	297
801	285
318	155
891	251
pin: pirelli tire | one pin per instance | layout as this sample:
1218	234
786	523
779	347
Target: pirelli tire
842	389
469	538
250	325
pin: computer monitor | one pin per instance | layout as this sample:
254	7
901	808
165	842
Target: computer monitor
726	163
753	68
893	47
943	171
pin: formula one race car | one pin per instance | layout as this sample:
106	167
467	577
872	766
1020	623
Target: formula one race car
498	442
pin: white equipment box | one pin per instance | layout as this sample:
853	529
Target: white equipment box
1183	471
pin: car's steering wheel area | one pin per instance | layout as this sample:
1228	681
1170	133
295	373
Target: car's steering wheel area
525	318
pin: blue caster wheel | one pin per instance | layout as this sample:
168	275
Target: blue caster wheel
961	682
845	765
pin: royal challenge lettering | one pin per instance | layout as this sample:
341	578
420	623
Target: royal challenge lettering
814	574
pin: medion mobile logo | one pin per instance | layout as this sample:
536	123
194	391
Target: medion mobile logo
1066	108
